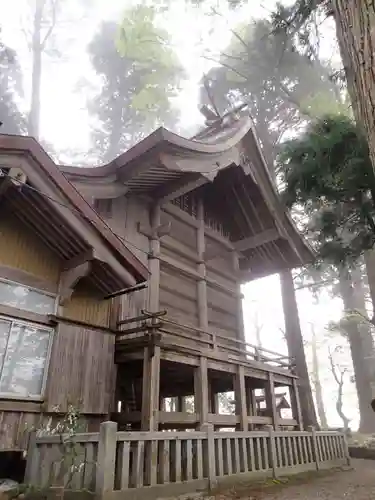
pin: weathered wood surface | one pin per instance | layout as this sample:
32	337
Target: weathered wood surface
140	463
25	251
81	370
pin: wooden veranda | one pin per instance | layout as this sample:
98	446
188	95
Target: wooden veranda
159	358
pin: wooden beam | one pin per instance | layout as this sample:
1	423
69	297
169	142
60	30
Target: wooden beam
188	182
158	232
257	240
69	280
82	258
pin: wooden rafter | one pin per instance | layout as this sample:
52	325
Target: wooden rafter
188	182
257	240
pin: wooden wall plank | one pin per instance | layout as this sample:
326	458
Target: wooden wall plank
81	370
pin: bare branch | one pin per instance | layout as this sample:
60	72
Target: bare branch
54	5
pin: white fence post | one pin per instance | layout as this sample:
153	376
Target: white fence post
105	467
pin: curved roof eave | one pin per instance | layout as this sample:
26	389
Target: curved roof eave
239	132
159	138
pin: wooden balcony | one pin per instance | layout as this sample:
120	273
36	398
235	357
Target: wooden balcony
184	340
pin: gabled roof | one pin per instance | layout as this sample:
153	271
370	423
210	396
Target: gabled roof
57	212
225	161
280	399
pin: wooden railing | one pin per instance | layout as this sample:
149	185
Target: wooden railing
182	334
137	464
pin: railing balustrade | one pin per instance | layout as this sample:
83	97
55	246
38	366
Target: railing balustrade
134	463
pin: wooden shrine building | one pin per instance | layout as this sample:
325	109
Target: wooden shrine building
205	217
133	273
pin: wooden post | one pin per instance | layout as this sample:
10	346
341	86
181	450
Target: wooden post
201	391
315	448
210	455
150	388
32	463
272	451
240	398
213	399
296	404
271	400
202	285
181	404
151	354
239	319
154	263
105	467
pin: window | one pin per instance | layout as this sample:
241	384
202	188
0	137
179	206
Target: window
22	297
24	351
24	347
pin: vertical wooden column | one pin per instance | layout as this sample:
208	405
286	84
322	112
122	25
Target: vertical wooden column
213	405
151	354
202	285
181	404
296	404
150	388
240	322
153	261
201	391
271	400
252	404
240	398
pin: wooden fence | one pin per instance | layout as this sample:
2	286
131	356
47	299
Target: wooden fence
157	464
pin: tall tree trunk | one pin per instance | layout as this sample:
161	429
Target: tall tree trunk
355	28
316	381
360	343
36	77
370	271
296	350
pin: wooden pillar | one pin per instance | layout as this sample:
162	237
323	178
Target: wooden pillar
154	263
150	388
202	285
251	404
239	318
213	404
296	404
271	400
151	354
162	405
181	404
240	398
201	391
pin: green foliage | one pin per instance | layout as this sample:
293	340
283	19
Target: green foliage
328	171
140	73
281	85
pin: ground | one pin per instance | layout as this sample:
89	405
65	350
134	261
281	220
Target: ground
357	484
